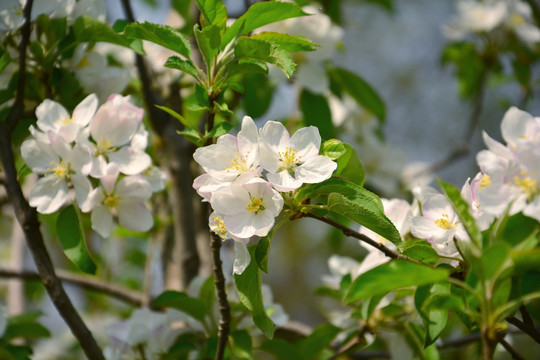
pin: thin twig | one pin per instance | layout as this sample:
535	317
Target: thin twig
224	307
349	232
118	292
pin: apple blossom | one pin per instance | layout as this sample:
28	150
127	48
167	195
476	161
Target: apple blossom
63	166
121	198
293	161
248	209
112	128
231	156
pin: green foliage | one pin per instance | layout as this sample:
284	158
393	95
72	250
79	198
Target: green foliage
317	113
469	66
434	317
174	62
287	42
88	29
392	276
258	94
213	12
248	285
248	48
420	250
258	15
360	90
208	40
349	165
71	236
181	301
162	35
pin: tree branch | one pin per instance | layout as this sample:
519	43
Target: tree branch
349	232
511	350
527	325
118	292
27	216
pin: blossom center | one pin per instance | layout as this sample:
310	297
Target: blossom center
517	20
528	186
112	201
255	205
59	170
104	145
289	158
220	228
238	163
444	222
485	181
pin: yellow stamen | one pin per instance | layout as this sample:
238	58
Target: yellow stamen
444	222
528	186
220	229
104	145
112	201
255	205
289	157
238	163
60	171
517	20
485	181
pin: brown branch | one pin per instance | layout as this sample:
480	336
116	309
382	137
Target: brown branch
527	325
118	292
224	308
511	350
27	216
349	232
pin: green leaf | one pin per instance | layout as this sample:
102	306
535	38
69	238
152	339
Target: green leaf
261	14
26	330
181	301
365	210
208	40
469	64
360	90
526	260
88	29
213	12
207	294
71	236
434	318
349	165
163	35
241	344
4	61
191	123
495	259
391	276
318	340
461	207
261	252
258	94
317	113
248	285
220	129
174	62
253	49
420	250
281	349
287	42
246	66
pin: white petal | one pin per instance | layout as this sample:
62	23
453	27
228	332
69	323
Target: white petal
240	224
38	156
134	188
51	115
130	161
268	157
514	125
283	181
85	110
315	169
275	135
230	200
135	216
102	220
307	140
241	259
48	195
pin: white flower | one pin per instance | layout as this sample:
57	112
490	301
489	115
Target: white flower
248	209
62	165
474	16
293	161
113	127
231	156
439	224
52	116
123	198
470	192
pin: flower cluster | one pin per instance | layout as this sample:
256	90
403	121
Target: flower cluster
486	16
96	157
246	173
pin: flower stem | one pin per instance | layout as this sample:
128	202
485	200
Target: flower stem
224	308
